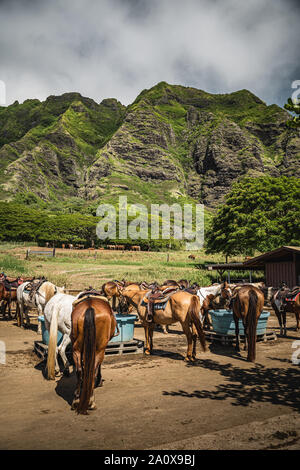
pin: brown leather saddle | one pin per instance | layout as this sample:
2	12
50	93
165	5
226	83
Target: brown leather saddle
157	300
33	287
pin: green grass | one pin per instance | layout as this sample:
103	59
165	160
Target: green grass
12	266
77	270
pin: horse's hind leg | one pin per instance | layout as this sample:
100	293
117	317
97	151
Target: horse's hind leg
297	313
279	318
245	324
62	351
194	333
25	312
77	365
283	315
187	331
237	337
98	377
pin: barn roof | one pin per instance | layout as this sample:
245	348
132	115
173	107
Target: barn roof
280	254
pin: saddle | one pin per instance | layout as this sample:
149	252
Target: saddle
157	300
33	287
293	294
11	284
89	293
191	290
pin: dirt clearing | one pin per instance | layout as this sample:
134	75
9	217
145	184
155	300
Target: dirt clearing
157	402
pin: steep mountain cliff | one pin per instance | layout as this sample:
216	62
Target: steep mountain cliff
172	143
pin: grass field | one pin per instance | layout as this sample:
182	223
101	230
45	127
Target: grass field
78	269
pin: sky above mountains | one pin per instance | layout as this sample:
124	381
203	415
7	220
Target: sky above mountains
117	48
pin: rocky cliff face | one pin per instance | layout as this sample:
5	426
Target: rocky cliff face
173	143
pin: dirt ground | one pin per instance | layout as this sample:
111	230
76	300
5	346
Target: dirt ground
157	402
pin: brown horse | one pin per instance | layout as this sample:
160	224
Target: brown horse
111	290
93	326
181	307
8	293
247	304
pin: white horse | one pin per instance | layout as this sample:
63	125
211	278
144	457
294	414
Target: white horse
39	300
57	315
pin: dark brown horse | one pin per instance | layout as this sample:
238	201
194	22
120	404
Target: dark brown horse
281	306
247	304
8	293
93	325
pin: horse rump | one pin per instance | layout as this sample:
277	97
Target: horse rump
194	312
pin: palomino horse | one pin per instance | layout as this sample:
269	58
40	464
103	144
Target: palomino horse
93	325
247	304
40	298
111	290
57	315
208	294
181	307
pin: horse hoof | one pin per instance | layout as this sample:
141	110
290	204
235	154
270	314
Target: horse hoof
147	352
189	359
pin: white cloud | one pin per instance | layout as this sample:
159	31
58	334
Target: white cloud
111	48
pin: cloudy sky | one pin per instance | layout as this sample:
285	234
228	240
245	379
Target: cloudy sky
117	48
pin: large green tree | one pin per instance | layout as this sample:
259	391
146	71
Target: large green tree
258	214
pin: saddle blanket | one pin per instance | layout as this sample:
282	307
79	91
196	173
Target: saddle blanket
292	297
157	305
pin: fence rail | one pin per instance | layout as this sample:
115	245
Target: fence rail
40	252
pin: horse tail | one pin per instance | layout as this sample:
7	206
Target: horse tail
194	312
88	362
52	345
252	323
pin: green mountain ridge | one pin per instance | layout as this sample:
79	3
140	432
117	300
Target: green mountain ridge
173	143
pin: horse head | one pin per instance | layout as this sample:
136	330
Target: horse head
226	292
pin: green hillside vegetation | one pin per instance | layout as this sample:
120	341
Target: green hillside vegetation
62	157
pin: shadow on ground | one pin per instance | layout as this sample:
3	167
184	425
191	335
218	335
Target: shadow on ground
246	386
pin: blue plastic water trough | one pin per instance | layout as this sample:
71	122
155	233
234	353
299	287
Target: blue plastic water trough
223	323
45	333
126	328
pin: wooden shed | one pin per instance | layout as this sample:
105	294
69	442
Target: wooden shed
280	265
